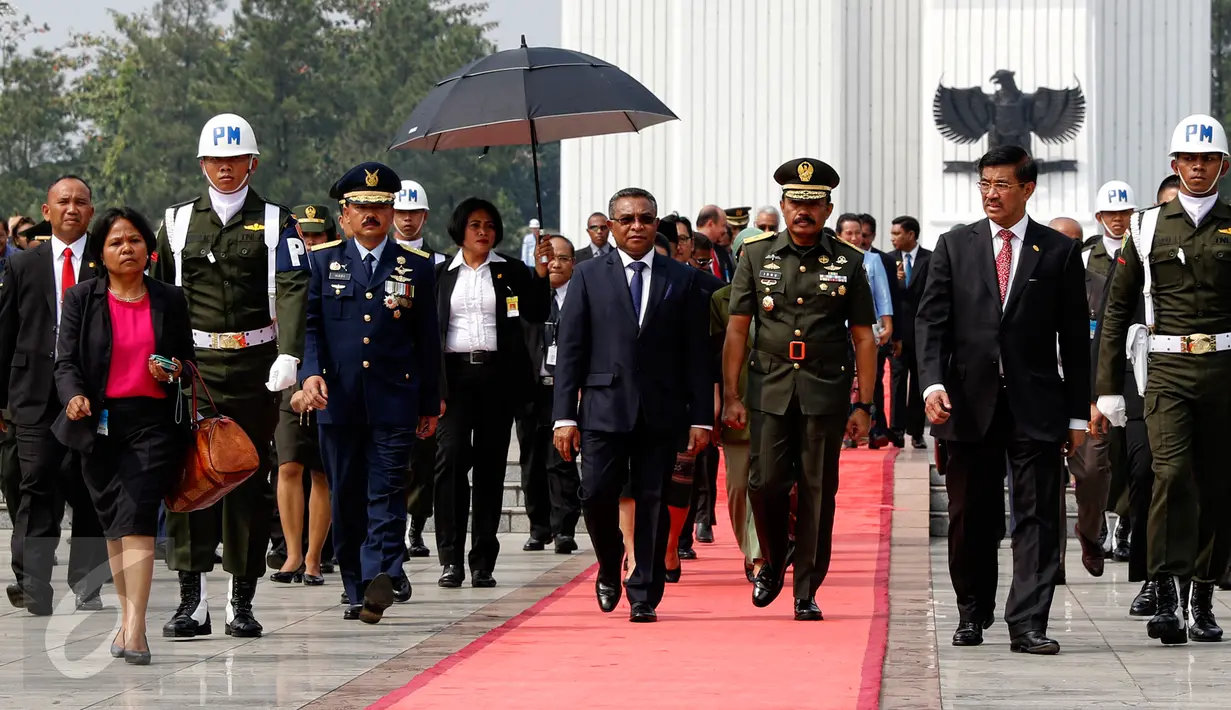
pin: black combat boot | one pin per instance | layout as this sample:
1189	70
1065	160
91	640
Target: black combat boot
242	624
191	619
1203	626
417	548
1168	624
1119	548
1146	601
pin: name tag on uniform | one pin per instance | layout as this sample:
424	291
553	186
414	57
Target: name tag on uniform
551	355
339	276
510	305
775	275
102	423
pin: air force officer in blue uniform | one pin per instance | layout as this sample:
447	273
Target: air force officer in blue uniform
371	367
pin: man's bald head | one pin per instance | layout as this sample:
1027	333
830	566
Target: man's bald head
1067	226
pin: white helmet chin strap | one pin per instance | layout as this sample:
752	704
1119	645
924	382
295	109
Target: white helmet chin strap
242	185
1212	189
1107	230
403	235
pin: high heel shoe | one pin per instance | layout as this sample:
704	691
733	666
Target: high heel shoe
138	658
288	577
117	651
673	575
311	580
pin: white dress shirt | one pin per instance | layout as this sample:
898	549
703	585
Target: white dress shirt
648	260
226	205
57	268
1019	235
472	307
1197	207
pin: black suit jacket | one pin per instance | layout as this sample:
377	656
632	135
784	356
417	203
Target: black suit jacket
909	295
962	336
28	332
626	372
510	278
84	360
586	253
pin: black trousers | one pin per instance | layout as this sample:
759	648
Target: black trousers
879	424
906	414
1131	458
549	482
645	459
50	478
10	470
974	480
472	437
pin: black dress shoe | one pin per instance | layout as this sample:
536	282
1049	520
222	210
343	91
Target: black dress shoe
1204	627
243	624
312	580
608	596
376	598
1146	601
807	610
767	585
565	544
533	544
673	575
451	577
642	613
345	599
482	579
918	442
91	601
401	590
276	557
1091	554
1034	642
969	633
705	533
687	553
328	567
1169	624
351	613
16	596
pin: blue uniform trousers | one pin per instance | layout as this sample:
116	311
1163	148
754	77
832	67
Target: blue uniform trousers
367	468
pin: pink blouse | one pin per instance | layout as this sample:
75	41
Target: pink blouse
132	343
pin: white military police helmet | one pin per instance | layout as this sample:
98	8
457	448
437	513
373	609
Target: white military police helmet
226	136
1115	196
411	197
1199	133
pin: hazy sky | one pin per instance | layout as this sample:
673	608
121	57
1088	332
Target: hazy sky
538	19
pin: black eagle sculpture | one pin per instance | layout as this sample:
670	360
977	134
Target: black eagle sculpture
1008	117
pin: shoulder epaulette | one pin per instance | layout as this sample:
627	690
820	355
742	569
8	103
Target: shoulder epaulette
327	245
848	245
413	250
759	237
1143	210
189	201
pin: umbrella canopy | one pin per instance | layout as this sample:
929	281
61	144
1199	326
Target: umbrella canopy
527	96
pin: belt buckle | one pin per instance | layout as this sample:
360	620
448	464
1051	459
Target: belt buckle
1198	343
229	341
796	350
548	380
474	357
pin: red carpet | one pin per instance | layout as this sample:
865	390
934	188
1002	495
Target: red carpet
711	648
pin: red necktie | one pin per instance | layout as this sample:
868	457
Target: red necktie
715	267
68	278
1004	262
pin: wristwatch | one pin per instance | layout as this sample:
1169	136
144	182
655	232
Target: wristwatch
866	408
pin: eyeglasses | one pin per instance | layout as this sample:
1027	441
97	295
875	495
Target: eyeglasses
704	262
646	219
986	187
598	228
684	238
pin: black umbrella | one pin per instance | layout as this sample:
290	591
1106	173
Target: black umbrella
528	96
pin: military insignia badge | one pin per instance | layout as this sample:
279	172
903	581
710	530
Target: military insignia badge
842	290
833	268
91	265
397	314
254	227
767	303
771	265
1225	231
310	212
391	302
823	259
824	287
805	171
841	260
371	179
335	266
773	257
1036	247
401	260
398	290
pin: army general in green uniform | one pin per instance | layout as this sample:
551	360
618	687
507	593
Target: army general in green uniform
244	271
806	292
1188	367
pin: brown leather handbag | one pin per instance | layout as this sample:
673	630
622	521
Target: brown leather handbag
220	457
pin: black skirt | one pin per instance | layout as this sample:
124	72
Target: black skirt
134	464
296	440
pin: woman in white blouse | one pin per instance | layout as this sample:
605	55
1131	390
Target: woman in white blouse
482	299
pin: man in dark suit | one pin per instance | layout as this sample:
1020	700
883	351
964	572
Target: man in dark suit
1000	294
911	267
600	235
626	315
30	304
549	482
371	367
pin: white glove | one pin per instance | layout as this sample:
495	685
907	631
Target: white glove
282	373
1112	407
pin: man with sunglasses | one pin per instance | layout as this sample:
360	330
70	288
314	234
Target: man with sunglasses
600	235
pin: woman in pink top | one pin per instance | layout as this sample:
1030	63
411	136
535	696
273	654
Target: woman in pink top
120	405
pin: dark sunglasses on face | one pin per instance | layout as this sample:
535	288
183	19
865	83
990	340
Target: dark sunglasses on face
646	219
597	228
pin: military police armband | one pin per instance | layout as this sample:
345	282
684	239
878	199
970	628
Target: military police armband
292	252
